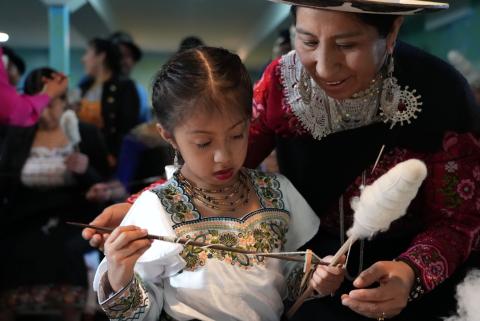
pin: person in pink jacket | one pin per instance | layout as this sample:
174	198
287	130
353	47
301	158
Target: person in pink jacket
24	110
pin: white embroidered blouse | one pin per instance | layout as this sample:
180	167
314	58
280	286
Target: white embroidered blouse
188	283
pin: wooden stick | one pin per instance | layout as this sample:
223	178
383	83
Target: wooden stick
309	291
172	239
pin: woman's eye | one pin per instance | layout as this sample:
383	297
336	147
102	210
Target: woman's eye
203	145
345	45
239	136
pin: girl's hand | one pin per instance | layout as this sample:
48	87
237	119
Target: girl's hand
396	279
327	279
122	249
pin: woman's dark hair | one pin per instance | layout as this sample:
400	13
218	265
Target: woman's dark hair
112	53
34	81
212	79
383	23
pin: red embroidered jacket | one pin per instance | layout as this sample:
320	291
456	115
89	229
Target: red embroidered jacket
449	201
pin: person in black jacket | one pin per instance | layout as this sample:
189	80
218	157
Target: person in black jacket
109	100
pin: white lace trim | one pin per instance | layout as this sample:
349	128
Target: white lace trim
320	116
313	117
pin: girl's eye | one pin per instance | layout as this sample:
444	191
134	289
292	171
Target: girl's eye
310	43
203	145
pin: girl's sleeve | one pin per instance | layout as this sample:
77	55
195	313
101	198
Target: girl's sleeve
304	223
142	298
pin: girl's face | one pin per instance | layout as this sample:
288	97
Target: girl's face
339	51
213	146
92	61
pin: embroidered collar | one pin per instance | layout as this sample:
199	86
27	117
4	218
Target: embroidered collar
321	115
179	204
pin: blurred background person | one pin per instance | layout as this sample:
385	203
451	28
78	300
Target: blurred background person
44	174
109	100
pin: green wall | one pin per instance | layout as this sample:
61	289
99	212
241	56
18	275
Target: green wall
462	34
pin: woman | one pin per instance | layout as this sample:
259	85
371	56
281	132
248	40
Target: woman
328	108
109	101
45	172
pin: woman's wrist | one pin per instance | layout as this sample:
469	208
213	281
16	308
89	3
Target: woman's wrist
416	289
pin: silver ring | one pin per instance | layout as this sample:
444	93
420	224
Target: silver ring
382	317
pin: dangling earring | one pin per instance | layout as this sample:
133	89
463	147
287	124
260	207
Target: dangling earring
305	87
175	158
397	105
171	169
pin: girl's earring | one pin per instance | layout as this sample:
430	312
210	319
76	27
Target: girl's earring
171	169
175	159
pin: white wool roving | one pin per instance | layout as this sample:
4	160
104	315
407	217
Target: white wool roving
69	124
387	199
468	297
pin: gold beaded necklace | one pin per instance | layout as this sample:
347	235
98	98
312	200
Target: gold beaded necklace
225	199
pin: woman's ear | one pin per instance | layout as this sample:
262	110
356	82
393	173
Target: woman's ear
166	135
393	35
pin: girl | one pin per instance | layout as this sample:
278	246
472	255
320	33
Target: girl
202	98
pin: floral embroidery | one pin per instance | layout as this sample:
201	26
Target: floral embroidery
451	167
128	304
293	283
268	189
466	189
261	231
450	191
433	266
176	202
179	205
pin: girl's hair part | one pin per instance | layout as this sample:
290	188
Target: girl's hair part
202	79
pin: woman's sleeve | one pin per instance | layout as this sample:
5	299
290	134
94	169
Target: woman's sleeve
452	212
16	109
261	139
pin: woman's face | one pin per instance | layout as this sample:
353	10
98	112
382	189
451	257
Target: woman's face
92	61
339	51
213	146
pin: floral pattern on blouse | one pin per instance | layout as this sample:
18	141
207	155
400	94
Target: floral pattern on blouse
263	230
128	304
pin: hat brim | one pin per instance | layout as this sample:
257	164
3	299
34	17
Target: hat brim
399	7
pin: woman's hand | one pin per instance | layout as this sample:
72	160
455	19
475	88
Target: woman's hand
327	279
56	85
122	250
396	279
111	216
77	163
